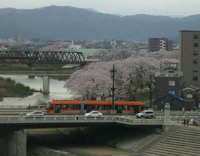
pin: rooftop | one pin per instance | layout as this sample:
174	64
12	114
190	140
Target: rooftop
190	31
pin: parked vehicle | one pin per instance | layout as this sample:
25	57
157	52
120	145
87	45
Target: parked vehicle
146	114
35	114
93	114
193	122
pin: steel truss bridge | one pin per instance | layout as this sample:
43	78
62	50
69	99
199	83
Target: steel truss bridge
41	57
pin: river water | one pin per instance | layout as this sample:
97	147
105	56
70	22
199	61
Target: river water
57	91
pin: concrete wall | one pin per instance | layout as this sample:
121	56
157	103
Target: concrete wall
13	143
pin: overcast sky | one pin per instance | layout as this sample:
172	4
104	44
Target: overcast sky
120	7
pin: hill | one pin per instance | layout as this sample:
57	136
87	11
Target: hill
68	23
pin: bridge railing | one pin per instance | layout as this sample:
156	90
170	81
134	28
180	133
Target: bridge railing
179	113
139	121
52	118
63	119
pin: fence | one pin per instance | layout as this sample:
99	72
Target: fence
75	119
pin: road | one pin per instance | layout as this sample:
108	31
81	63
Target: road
159	115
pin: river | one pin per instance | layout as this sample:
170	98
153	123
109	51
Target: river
57	91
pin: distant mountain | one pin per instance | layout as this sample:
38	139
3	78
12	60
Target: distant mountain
68	23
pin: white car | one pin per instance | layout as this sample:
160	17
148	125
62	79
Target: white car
93	114
146	114
35	114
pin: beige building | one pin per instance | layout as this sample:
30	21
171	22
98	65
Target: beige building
190	56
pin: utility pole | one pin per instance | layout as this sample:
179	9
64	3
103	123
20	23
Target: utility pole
113	87
150	90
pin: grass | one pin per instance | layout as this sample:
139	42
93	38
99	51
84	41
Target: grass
26	67
10	88
13	67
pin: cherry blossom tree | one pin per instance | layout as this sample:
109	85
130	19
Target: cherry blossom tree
133	74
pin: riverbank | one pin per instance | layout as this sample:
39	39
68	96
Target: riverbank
22	67
10	88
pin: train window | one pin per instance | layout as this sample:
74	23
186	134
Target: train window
125	107
77	106
119	107
67	107
63	106
131	108
107	107
95	107
70	106
50	106
100	107
88	108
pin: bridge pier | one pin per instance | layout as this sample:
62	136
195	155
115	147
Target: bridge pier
46	82
13	143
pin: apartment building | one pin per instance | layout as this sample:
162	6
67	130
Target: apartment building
156	44
189	57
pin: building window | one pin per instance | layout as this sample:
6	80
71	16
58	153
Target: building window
195	69
173	92
171	71
189	96
195	53
195	45
195	78
174	65
171	83
195	61
195	36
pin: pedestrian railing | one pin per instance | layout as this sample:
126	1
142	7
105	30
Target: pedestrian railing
71	119
179	113
139	121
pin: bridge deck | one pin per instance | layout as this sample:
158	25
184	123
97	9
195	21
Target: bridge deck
66	121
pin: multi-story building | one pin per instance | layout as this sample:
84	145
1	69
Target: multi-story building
168	85
168	81
156	44
190	56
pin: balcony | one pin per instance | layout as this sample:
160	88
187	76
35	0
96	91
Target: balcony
166	74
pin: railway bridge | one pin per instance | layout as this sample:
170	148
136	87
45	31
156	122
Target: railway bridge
41	57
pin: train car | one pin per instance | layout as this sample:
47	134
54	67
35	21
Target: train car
71	107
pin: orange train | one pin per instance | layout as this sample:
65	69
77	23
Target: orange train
59	106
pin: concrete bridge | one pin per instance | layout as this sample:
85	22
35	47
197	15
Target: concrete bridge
52	121
43	73
13	136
